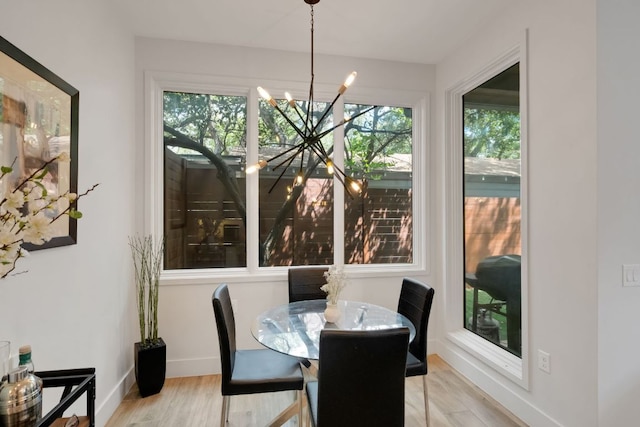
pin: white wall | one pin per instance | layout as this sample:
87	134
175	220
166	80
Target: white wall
563	305
186	316
618	211
74	306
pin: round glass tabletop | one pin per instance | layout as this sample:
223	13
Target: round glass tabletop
294	328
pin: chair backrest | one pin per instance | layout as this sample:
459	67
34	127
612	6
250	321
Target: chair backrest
226	323
361	377
415	304
305	283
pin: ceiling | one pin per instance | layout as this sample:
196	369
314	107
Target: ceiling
419	31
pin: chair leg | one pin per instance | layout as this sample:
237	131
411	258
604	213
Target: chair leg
425	388
300	419
224	417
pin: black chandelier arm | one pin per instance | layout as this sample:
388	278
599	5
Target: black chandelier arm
300	147
288	150
301	162
281	173
343	122
318	138
326	111
340	176
322	155
305	121
335	167
293	125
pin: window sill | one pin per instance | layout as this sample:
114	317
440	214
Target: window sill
270	274
500	360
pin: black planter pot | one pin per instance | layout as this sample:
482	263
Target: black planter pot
151	367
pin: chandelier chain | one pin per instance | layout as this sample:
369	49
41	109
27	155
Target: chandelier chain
310	106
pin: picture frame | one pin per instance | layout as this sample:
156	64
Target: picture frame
38	121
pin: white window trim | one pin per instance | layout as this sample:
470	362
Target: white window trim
514	368
156	82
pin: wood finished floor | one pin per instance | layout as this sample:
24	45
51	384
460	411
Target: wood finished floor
196	402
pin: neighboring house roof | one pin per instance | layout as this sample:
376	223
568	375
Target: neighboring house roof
491	167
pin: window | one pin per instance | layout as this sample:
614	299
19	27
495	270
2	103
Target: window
295	213
378	152
214	216
492	216
204	186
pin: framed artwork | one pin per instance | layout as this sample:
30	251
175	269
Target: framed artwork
38	121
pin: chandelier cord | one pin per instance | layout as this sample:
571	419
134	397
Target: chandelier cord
313	76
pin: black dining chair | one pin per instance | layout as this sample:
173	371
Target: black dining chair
415	303
360	379
251	371
305	283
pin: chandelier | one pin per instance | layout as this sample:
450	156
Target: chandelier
310	132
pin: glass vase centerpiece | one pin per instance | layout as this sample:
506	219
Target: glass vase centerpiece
336	282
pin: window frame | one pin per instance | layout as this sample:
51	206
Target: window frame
157	82
512	367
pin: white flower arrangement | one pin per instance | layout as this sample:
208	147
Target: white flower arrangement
27	212
336	282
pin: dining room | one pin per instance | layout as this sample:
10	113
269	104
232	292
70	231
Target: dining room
571	361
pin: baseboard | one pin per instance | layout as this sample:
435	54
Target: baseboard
193	367
479	374
114	398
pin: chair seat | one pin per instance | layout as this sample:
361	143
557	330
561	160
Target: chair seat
414	366
264	371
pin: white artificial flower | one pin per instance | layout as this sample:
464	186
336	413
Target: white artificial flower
37	205
14	201
38	229
34	226
7	237
336	281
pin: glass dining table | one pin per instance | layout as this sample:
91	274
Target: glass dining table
294	328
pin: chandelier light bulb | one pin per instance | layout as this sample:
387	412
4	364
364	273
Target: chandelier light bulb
347	82
299	178
329	167
265	95
355	185
256	167
290	99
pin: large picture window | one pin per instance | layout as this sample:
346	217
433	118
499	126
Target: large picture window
492	215
216	216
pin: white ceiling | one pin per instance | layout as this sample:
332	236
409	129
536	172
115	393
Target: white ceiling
420	31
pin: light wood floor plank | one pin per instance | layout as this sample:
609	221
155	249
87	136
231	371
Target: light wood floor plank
196	402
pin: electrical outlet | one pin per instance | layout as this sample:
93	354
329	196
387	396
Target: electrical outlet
544	361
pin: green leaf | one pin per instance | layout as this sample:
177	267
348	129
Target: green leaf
44	190
42	174
6	169
75	214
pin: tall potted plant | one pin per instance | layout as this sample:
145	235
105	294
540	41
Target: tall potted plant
150	353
